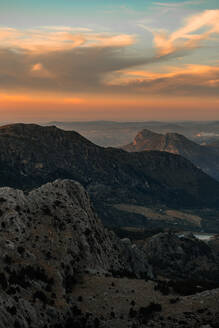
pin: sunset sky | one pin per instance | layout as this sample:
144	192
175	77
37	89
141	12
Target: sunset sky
109	59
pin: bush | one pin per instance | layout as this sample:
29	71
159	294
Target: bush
146	313
163	287
3	281
69	283
21	250
41	296
12	310
191	287
8	260
174	300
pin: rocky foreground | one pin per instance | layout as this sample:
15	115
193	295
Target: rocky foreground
60	268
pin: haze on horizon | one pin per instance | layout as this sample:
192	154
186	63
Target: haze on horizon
105	60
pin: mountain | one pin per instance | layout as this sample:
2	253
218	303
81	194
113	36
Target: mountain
214	146
115	134
48	239
31	155
60	268
58	217
204	157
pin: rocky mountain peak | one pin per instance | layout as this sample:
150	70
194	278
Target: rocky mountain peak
47	215
149	140
146	133
204	157
49	238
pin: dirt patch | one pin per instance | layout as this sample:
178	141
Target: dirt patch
160	214
115	299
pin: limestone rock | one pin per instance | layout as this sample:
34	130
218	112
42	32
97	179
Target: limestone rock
182	257
48	239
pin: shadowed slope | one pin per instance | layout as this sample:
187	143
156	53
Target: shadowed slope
31	155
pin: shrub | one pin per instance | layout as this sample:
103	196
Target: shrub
3	281
12	310
21	250
8	259
146	313
41	296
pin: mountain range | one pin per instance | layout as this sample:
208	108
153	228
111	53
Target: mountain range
115	134
32	155
60	267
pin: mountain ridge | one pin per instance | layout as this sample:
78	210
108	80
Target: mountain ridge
49	238
206	157
31	155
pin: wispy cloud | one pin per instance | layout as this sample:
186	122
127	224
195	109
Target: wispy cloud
38	70
188	80
178	4
61	59
59	38
189	36
65	28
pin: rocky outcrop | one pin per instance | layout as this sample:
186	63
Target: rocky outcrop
54	251
205	157
48	239
182	257
58	217
214	244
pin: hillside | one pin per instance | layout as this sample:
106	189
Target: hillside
48	239
31	155
205	157
60	268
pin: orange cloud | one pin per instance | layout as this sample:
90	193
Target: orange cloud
191	69
38	98
185	37
59	39
188	80
38	70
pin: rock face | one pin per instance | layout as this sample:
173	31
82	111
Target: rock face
32	155
48	238
182	258
205	157
52	244
58	217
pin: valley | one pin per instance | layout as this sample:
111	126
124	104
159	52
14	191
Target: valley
32	155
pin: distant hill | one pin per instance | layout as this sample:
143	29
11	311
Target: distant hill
116	134
214	146
31	155
204	157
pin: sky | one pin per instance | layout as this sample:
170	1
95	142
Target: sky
124	60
